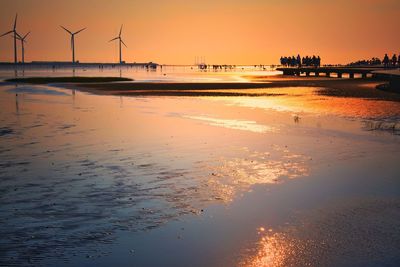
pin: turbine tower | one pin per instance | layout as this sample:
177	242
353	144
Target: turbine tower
22	39
15	36
73	41
120	42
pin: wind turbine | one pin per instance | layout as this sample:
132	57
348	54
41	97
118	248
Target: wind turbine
22	39
120	42
73	41
15	35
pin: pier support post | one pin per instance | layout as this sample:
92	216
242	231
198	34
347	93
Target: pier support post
328	74
289	72
339	75
307	73
316	74
364	75
351	75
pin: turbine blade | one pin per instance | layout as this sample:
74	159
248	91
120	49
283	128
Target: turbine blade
79	31
15	21
120	30
114	39
66	29
123	43
18	36
6	33
26	35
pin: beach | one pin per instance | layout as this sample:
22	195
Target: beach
199	133
199	169
248	85
357	88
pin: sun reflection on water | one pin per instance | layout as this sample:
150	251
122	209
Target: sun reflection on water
228	177
247	125
309	100
273	250
345	232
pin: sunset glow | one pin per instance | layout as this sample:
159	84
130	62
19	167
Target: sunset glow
257	133
224	32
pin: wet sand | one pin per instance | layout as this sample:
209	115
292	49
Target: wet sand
290	178
358	232
359	88
48	80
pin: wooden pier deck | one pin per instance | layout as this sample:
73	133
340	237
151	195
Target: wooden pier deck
364	72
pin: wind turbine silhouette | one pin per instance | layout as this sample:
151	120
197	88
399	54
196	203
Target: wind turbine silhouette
73	41
120	41
22	39
15	35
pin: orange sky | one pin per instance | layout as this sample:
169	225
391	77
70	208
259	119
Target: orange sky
224	31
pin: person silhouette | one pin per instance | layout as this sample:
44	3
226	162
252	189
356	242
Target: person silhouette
298	60
385	61
394	60
314	61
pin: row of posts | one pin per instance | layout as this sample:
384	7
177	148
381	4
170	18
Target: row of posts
328	74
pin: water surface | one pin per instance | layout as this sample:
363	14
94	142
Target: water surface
196	181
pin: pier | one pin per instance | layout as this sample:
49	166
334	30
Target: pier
339	72
391	76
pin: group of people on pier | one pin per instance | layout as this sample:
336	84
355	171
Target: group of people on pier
298	61
393	62
387	62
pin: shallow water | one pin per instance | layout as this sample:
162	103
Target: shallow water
166	73
199	181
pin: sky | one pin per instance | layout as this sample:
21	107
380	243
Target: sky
222	31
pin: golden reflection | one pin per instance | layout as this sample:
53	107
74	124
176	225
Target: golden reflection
231	176
332	236
272	250
246	125
279	249
309	100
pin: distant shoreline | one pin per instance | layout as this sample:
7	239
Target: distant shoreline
257	86
73	65
48	80
359	88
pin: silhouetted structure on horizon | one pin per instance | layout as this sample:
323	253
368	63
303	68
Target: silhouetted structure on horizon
15	36
307	61
23	41
73	41
120	41
386	62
